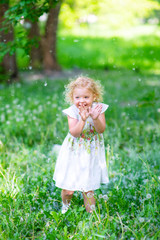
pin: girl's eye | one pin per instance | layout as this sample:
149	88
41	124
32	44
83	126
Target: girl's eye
86	96
77	97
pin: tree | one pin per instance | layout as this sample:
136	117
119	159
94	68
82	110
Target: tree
45	52
30	11
48	41
8	64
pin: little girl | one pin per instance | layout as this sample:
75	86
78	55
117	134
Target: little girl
81	164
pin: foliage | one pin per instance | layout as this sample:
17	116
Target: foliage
19	12
113	14
32	121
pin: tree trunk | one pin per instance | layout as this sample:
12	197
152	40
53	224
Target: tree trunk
8	64
36	52
48	42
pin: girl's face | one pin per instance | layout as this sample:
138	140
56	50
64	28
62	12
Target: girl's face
83	97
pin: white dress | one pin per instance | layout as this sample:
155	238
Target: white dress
81	163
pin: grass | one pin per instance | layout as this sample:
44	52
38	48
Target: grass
136	49
138	54
32	122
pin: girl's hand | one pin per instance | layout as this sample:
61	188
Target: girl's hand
84	112
95	112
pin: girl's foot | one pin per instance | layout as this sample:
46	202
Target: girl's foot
65	207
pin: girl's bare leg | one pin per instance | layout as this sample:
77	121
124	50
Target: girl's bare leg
66	196
89	201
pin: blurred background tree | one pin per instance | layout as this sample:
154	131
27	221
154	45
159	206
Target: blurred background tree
8	60
24	16
29	28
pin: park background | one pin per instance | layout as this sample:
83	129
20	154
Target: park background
115	42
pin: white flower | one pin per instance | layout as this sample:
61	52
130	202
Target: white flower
148	196
145	180
141	219
47	224
92	207
89	195
100	196
1	145
105	197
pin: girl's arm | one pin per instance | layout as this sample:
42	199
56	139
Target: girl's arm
75	126
100	123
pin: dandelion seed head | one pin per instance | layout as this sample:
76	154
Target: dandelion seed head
145	180
47	224
105	197
141	219
89	195
100	196
92	207
148	196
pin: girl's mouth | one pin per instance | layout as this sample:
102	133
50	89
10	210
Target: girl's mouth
82	104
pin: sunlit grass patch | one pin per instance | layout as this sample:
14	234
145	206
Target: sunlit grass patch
138	53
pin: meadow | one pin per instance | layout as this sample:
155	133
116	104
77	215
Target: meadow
32	123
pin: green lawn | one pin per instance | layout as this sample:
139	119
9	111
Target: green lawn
135	49
32	122
137	54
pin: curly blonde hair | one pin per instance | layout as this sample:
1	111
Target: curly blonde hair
83	82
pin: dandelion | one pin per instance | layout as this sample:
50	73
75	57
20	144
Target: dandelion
148	196
7	106
100	196
92	207
89	195
105	197
145	180
141	219
47	224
